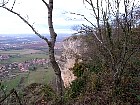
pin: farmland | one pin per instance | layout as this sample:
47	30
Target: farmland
24	60
21	80
23	55
42	74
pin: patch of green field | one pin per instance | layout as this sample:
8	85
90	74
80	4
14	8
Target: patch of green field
38	55
21	52
41	75
23	55
26	57
13	83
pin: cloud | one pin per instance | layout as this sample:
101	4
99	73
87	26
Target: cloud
36	12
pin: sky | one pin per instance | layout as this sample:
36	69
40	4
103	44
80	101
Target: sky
36	13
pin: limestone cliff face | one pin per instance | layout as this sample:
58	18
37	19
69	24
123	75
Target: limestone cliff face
74	48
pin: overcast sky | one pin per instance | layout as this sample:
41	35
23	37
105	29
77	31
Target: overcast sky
36	13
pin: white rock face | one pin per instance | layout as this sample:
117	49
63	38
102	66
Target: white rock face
73	48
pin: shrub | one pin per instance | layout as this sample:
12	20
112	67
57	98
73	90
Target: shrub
77	87
79	69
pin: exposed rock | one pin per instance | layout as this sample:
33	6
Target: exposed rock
74	49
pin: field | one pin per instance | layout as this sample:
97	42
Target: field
23	55
21	52
22	58
43	74
40	76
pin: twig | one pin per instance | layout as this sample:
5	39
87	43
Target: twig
13	4
46	4
4	3
84	18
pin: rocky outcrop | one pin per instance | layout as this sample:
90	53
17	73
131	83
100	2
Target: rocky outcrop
74	49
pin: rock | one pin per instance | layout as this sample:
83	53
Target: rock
74	49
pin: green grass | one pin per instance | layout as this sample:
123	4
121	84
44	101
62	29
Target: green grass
23	55
31	56
21	52
13	83
26	57
41	75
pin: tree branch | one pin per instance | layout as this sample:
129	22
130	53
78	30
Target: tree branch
84	18
31	26
92	6
47	5
51	44
13	4
3	3
129	56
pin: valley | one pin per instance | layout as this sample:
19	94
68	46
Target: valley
24	60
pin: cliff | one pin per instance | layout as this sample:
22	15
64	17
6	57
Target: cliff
74	49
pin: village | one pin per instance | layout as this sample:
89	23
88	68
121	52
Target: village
22	54
6	70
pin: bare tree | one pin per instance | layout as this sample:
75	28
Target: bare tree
51	42
113	42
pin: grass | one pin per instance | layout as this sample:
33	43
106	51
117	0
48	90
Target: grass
41	75
10	84
26	57
23	55
21	52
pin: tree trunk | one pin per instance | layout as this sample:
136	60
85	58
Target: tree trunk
56	70
51	45
51	42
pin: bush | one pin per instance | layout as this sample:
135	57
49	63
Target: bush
49	93
79	69
96	69
77	87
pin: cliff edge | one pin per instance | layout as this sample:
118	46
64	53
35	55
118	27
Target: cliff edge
74	49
